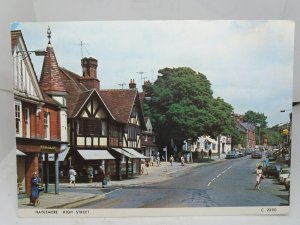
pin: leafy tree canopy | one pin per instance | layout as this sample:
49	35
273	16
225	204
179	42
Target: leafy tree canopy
256	118
182	107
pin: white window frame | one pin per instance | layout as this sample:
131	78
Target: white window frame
27	121
19	117
47	125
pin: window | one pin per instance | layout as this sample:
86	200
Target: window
46	125
114	131
132	132
103	128
27	122
120	135
18	117
89	126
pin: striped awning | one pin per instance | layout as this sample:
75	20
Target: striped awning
95	154
123	152
135	153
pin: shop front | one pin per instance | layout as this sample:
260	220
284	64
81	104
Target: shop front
35	150
87	164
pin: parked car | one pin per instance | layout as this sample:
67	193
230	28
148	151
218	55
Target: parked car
240	154
231	155
283	175
287	183
271	171
248	151
271	157
256	155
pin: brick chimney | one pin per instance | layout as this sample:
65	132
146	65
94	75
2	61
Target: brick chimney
132	84
89	73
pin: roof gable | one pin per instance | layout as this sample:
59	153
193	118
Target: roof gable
25	81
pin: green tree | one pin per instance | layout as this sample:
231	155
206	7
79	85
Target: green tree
182	107
256	118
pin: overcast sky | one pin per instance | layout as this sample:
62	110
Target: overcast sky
249	63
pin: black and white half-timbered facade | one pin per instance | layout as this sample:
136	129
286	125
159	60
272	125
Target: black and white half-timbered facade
104	126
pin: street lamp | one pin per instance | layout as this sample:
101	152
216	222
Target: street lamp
38	52
258	125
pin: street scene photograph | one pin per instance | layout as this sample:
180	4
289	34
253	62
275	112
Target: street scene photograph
153	114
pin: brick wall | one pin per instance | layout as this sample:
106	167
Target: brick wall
31	166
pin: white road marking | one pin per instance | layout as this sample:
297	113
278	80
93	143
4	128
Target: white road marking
209	184
218	175
213	179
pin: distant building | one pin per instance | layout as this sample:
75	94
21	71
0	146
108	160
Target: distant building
149	148
248	129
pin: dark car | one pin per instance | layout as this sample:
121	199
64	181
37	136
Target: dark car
256	155
248	152
271	171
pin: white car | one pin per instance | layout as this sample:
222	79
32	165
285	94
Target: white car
283	174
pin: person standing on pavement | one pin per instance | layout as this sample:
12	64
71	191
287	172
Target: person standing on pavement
151	160
209	153
171	160
182	160
72	175
202	153
258	177
35	193
102	176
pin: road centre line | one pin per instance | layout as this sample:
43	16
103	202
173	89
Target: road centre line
218	176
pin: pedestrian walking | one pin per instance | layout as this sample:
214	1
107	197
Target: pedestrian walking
152	160
35	193
158	161
72	175
209	153
202	153
182	160
103	180
259	177
171	160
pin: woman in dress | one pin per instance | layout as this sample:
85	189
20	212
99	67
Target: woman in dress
258	177
35	194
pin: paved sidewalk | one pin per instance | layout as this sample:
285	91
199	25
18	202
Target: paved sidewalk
70	196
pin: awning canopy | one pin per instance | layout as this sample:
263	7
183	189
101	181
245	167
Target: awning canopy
19	153
135	153
61	156
123	152
95	154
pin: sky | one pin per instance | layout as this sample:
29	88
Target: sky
249	63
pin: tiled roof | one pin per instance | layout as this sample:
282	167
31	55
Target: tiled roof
248	126
75	90
81	99
49	100
50	76
119	102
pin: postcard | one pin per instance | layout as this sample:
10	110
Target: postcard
145	118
